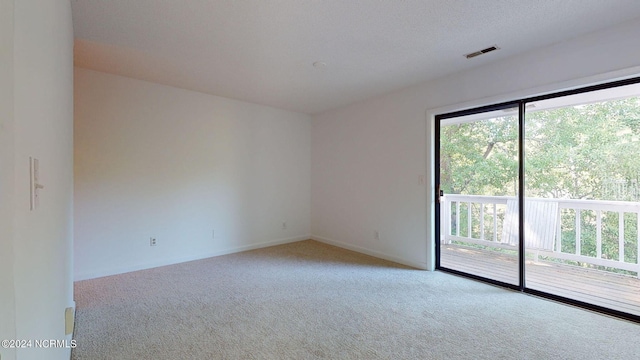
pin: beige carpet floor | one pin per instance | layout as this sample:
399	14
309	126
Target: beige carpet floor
308	300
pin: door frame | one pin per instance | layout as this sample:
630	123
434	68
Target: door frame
478	110
521	104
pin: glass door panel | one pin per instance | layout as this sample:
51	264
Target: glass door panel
582	210
478	180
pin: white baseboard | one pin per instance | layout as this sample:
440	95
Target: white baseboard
377	254
149	265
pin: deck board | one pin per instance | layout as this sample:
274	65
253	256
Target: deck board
615	291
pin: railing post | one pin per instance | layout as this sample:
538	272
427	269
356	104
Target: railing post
481	221
599	234
495	222
469	234
559	231
445	219
578	233
443	229
458	218
621	236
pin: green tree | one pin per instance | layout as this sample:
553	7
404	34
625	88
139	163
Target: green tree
480	157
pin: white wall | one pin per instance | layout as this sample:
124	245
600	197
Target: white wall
366	158
7	289
37	120
153	160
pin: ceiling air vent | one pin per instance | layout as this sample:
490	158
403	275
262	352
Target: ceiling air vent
483	51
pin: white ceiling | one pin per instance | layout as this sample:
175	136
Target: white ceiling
262	51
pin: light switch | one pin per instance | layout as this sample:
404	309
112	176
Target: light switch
68	320
36	169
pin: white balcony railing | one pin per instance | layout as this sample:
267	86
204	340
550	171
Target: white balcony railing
493	221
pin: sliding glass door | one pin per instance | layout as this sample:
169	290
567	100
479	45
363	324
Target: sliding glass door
478	193
583	186
543	195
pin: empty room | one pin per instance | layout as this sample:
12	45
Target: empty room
280	179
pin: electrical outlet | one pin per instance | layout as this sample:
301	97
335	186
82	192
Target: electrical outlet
213	233
284	225
376	235
152	241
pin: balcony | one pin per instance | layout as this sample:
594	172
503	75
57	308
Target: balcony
581	249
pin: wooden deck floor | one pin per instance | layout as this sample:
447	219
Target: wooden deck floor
618	292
